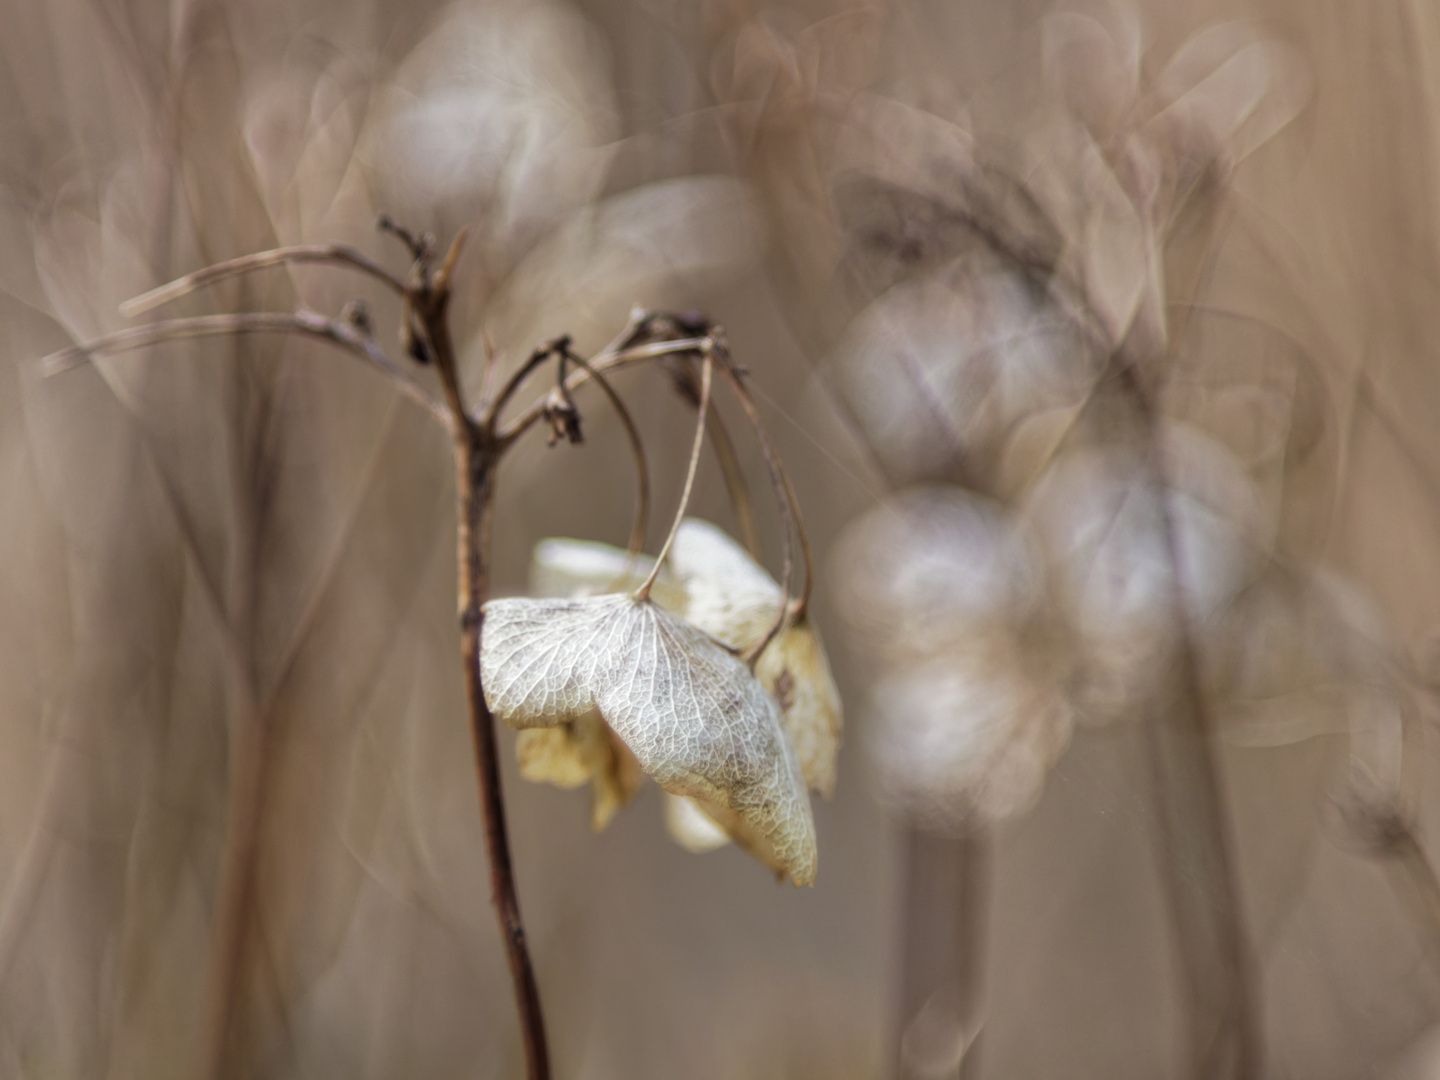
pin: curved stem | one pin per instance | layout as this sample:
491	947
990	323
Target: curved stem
517	379
735	484
607	361
724	449
707	367
304	322
333	254
637	449
789	507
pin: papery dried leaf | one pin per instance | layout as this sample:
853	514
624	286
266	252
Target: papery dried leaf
795	670
734	827
712	583
553	756
732	598
574	753
727	593
582	751
694	716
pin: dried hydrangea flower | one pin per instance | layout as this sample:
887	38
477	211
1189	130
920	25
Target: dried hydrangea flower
692	713
713	585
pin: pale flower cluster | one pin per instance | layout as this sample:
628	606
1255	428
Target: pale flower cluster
604	686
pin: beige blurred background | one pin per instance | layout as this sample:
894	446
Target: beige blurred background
226	583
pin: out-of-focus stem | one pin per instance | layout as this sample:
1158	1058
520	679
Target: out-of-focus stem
332	254
1196	859
237	872
941	994
244	818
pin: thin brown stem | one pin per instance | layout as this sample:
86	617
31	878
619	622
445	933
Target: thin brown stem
789	508
235	890
476	496
426	302
724	448
607	361
707	369
637	450
232	935
331	254
304	322
735	485
491	409
476	456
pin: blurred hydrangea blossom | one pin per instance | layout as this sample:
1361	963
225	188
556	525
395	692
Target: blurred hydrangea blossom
949	592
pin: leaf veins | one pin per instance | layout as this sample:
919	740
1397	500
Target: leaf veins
694	716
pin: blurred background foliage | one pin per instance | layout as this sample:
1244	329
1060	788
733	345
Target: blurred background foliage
238	833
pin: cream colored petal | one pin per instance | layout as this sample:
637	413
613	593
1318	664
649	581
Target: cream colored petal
712	583
727	593
580	752
552	756
690	827
576	568
734	600
794	669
